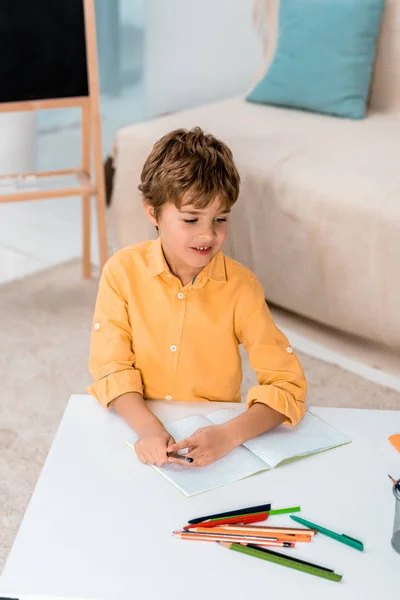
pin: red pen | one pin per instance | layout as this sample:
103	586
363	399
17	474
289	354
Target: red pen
246	519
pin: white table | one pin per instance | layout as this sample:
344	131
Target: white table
99	522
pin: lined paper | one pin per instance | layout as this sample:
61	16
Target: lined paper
310	436
191	480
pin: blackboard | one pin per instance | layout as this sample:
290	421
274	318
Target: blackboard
42	50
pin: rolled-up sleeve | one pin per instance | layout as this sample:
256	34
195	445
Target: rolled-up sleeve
282	384
112	359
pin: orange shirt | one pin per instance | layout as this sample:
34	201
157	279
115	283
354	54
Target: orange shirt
167	341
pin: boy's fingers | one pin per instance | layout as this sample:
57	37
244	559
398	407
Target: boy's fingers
140	454
150	459
162	458
182	463
186	443
194	453
141	457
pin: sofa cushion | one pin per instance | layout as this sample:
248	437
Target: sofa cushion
318	217
324	56
385	86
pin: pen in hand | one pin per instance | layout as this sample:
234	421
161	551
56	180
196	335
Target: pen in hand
180	456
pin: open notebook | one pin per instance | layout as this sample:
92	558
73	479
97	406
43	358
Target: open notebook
264	452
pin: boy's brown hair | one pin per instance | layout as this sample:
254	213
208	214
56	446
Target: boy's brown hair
189	166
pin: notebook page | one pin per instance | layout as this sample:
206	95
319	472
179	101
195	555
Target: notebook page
179	430
310	436
185	427
190	480
238	464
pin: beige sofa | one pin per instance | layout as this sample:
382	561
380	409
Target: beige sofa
318	218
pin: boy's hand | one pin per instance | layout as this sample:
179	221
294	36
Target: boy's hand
152	445
206	445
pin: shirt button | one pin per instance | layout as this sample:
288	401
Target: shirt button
289	349
180	295
168	274
173	348
168	397
97	325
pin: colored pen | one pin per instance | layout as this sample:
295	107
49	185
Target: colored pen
180	456
233	513
345	539
283	511
239	540
284	561
268	530
262	515
230	520
227	534
279	511
281	537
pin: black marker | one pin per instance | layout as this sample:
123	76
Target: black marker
180	456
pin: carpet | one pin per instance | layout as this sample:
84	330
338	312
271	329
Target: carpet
45	325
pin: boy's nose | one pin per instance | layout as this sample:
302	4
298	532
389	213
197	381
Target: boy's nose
208	235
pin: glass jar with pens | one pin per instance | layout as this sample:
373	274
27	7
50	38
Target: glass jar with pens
396	526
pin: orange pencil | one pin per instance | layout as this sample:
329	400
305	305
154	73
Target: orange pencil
282	537
238	540
224	534
283	530
264	531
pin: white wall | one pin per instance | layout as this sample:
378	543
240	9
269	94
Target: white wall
198	51
17	142
132	12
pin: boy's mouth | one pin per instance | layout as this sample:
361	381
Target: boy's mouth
202	250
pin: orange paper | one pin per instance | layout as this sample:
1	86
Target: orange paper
395	440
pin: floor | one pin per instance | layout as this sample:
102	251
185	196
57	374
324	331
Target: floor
39	234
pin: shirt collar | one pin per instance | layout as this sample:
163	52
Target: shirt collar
157	262
215	269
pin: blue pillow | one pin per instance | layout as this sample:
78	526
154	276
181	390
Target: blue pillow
324	56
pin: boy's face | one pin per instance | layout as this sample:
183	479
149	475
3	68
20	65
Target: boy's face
191	236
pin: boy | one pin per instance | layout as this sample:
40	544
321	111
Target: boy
171	313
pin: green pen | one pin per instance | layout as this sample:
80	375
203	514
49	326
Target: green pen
339	537
279	511
283	511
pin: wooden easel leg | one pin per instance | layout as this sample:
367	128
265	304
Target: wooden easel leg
86	207
86	226
94	94
100	197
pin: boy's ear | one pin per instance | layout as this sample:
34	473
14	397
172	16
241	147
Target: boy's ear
149	210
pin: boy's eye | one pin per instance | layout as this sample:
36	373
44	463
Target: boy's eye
220	220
